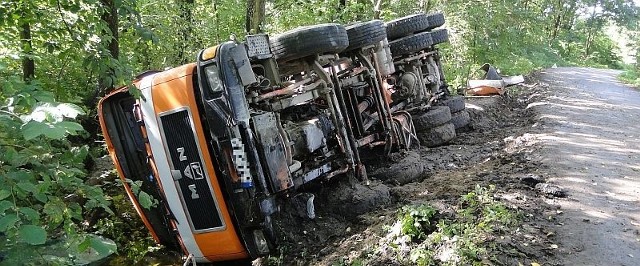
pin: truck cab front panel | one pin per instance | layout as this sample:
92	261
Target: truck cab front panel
180	164
170	100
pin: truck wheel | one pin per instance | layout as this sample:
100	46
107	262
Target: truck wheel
455	103
460	119
436	116
437	135
365	33
410	44
439	36
435	20
406	25
309	40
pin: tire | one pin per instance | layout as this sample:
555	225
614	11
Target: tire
436	116
438	135
309	40
460	119
435	20
410	44
439	36
406	25
365	33
455	103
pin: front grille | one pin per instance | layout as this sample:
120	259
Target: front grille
189	172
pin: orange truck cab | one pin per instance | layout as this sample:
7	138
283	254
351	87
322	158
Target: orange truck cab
213	142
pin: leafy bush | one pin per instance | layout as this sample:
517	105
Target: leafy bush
631	75
43	195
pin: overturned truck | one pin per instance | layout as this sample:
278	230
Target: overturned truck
219	142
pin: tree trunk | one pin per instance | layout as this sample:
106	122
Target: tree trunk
110	17
569	16
557	19
556	27
342	4
28	65
106	78
425	5
591	30
216	21
186	7
377	10
590	37
255	16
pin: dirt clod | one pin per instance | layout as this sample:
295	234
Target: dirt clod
551	190
531	179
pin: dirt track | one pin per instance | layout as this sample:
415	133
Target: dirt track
591	145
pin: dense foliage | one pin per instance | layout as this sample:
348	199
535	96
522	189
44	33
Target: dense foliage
58	57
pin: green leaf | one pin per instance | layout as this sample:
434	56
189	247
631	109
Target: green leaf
30	213
54	210
135	92
74	210
78	154
103	246
145	200
32	234
85	244
43	96
69	127
33	129
15	158
20	175
41	197
7	222
70	110
27	186
4	194
5	205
